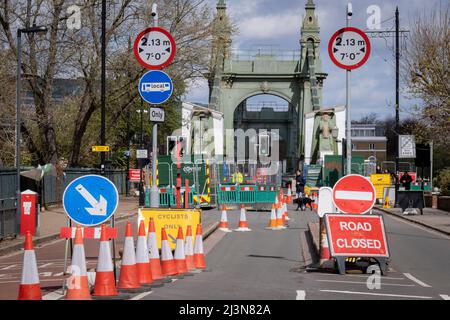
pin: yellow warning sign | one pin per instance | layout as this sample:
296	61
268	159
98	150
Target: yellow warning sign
100	148
171	220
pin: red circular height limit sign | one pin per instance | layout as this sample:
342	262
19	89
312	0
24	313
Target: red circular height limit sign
349	48
154	48
354	194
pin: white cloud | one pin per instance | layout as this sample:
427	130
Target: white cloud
270	26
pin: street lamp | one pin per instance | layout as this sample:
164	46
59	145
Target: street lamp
33	29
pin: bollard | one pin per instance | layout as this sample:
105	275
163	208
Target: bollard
186	193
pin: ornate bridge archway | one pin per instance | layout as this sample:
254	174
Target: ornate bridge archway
295	76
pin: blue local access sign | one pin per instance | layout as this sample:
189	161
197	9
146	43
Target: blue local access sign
155	87
90	200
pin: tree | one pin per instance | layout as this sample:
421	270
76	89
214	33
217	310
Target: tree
427	73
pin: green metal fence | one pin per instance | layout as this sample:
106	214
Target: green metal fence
246	194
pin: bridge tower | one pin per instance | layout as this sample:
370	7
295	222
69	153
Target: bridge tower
295	77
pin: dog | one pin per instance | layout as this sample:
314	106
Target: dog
303	202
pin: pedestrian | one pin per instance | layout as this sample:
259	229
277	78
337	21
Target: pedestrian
406	180
378	170
299	184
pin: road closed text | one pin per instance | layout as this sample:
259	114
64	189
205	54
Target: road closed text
356	235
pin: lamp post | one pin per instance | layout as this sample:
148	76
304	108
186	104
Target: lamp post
33	29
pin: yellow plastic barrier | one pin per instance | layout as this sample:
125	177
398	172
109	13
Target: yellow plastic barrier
171	220
380	181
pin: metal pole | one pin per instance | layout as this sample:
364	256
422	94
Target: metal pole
348	106
154	193
103	87
431	165
18	105
397	100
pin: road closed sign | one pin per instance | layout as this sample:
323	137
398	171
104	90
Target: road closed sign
356	235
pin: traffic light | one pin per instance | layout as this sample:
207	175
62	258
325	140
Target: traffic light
264	147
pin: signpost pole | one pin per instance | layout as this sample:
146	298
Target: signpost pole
154	194
348	105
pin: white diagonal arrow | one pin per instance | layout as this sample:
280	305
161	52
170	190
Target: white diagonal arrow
98	207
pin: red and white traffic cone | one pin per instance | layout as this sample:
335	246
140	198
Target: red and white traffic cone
285	209
224	221
199	256
325	260
129	275
273	219
142	258
30	288
105	283
152	243
168	266
280	220
179	257
243	225
189	250
78	285
289	195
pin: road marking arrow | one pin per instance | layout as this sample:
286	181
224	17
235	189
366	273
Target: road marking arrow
98	207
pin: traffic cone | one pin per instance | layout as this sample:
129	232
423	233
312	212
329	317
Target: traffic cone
78	286
277	203
168	266
152	244
189	250
273	219
30	288
325	260
243	225
316	198
199	256
180	258
129	275
224	221
280	220
289	195
142	258
105	282
285	212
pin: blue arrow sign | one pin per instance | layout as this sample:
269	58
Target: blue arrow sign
90	200
155	87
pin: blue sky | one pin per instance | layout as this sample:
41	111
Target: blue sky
278	22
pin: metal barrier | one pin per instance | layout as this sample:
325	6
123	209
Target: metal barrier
7	217
167	197
247	194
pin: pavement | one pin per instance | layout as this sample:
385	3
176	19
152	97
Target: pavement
435	219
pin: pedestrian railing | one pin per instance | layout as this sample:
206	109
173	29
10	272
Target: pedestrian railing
246	194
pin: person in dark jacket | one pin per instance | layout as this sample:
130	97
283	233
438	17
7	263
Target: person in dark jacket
406	180
299	184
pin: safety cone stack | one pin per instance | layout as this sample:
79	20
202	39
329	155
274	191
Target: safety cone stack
199	256
180	258
168	266
289	195
30	288
129	275
273	219
224	220
285	209
152	244
189	250
105	283
142	258
280	220
78	285
243	225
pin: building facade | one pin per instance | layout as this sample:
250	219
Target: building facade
369	140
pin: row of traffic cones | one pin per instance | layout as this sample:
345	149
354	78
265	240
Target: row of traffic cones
138	268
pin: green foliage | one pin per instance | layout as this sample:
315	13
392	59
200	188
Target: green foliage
443	181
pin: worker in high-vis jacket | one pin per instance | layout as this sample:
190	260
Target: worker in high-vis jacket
237	177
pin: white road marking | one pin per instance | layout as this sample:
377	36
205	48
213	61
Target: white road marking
301	294
359	276
353	195
378	294
46	265
9	267
444	296
420	283
365	283
54	295
141	295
